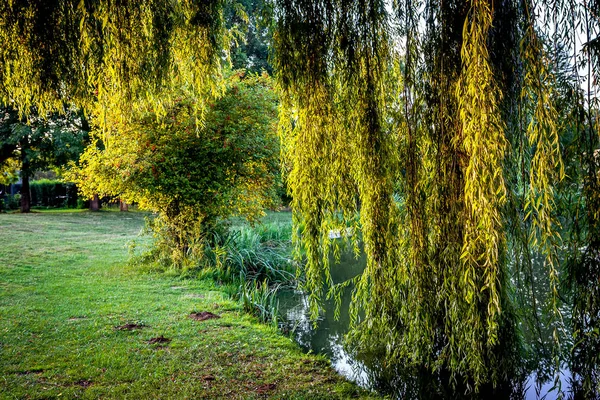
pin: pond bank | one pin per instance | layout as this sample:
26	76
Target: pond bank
76	324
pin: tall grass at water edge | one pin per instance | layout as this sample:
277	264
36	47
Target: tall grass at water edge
256	262
251	262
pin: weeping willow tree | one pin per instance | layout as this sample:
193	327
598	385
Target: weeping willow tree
106	54
437	130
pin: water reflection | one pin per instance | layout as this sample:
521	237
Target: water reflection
366	370
327	338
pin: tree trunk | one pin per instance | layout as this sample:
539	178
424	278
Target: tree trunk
95	203
25	194
123	206
25	190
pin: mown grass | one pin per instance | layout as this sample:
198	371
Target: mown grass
64	288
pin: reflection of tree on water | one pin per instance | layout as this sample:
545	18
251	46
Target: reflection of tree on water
328	337
407	379
421	383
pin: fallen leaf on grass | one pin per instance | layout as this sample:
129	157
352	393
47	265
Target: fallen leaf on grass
83	383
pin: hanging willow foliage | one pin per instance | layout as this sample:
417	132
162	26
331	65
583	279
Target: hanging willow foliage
438	132
482	138
86	52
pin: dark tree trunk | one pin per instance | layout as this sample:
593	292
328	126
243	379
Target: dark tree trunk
25	190
25	193
95	203
123	206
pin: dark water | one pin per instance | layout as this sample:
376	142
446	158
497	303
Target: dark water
327	338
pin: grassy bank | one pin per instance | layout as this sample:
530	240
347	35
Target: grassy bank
75	323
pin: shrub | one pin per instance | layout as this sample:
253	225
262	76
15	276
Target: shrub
11	202
191	174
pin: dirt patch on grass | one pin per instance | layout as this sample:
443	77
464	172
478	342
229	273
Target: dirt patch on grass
266	388
83	383
157	340
203	316
130	327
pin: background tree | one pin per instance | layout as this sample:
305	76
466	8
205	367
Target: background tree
252	50
39	144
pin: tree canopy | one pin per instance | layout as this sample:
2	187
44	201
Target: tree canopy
105	52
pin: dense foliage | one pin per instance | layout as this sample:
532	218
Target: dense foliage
45	193
191	173
53	193
442	131
251	50
105	52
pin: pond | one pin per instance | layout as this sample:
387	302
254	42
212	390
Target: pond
328	339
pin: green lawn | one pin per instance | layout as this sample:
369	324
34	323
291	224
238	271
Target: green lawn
64	289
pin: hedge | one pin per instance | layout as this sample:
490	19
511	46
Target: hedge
50	193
